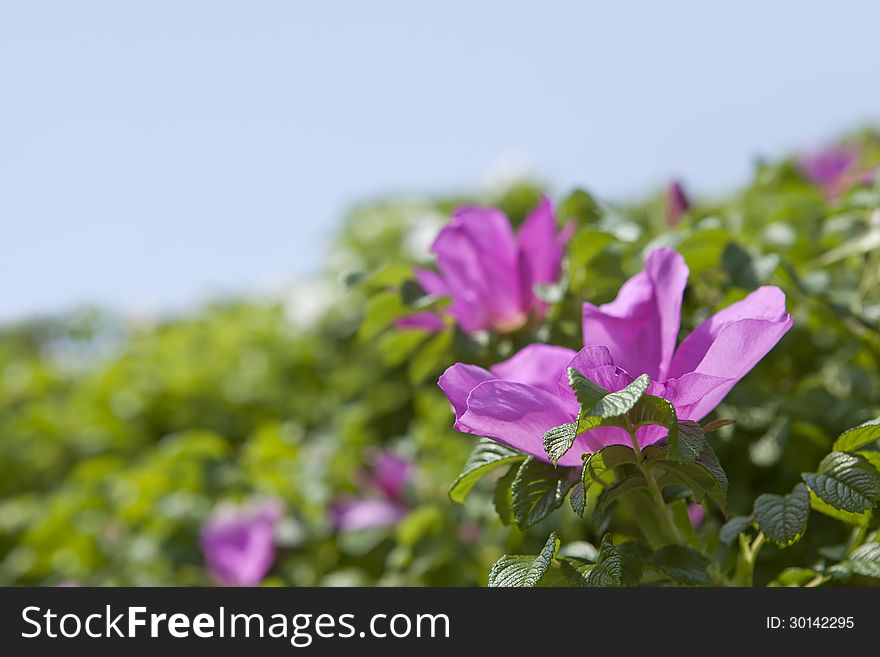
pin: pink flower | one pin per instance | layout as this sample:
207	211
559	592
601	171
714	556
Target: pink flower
696	514
239	542
384	503
517	401
832	169
677	203
489	271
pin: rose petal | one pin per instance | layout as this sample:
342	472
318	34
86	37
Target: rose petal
538	365
731	342
458	381
540	251
354	515
515	414
425	321
477	256
640	327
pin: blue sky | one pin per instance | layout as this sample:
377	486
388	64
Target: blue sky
153	154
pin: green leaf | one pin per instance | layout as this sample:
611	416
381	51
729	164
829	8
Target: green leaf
411	292
587	392
854	439
386	276
523	570
709	460
599	464
692	449
794	577
689	442
608	570
857	519
633	558
734	527
655	410
682	564
615	404
783	519
581	205
487	456
865	560
694	476
635	481
503	497
382	309
871	457
558	440
577	500
845	481
538	490
396	346
432	357
575	571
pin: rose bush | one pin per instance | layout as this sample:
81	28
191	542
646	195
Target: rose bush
122	441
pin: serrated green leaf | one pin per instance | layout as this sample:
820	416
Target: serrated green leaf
682	564
845	481
857	519
587	392
538	490
865	560
618	403
734	527
689	442
854	439
783	519
577	500
523	570
598	464
487	456
692	475
503	497
633	558
558	440
608	570
709	460
651	410
575	571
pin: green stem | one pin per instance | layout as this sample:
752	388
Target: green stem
748	553
858	537
818	580
663	511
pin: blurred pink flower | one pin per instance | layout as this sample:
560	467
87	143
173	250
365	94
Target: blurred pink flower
677	203
696	513
239	542
833	169
383	504
489	271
